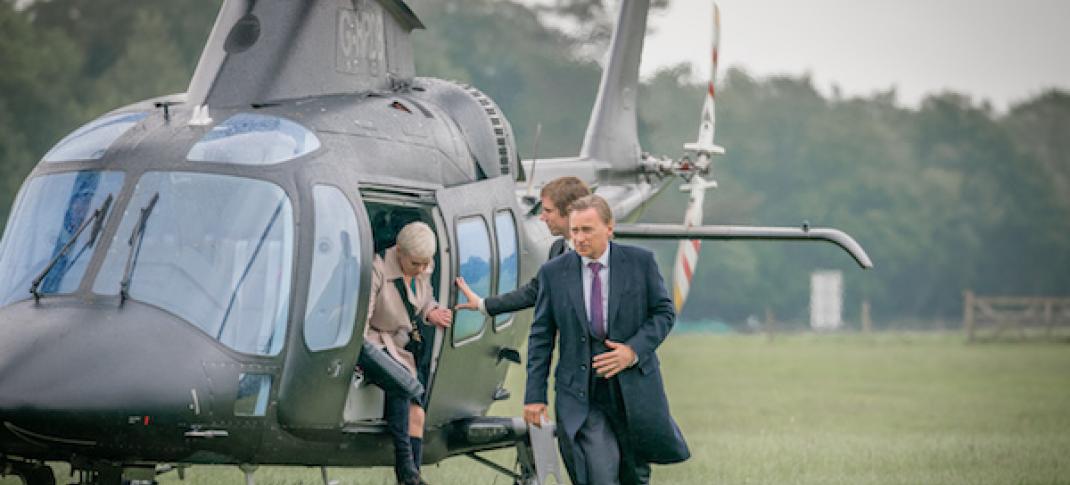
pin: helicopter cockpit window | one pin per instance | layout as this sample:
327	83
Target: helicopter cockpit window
48	213
335	279
254	139
474	265
508	263
91	141
214	250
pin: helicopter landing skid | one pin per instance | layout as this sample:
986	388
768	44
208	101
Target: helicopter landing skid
536	458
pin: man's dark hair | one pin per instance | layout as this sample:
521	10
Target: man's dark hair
563	191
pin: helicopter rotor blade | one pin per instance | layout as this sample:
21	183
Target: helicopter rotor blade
687	253
704	146
751	233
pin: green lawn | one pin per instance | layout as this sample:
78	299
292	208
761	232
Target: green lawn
831	409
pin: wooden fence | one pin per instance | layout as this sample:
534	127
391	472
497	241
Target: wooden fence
1002	313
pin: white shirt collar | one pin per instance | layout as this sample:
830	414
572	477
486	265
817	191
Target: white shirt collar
604	259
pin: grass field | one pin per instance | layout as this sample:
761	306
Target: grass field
895	408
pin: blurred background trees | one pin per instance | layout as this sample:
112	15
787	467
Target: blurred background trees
948	196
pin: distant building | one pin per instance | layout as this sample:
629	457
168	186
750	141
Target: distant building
826	300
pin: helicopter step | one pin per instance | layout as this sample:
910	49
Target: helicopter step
536	447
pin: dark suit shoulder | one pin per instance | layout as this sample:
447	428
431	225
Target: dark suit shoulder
558	263
558	248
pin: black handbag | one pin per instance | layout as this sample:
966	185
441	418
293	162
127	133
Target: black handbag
382	370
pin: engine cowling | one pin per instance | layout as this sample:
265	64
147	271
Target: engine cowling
486	131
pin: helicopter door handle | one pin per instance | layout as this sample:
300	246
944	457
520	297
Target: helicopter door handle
335	368
207	433
506	353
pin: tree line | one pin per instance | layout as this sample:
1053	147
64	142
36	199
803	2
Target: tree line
948	196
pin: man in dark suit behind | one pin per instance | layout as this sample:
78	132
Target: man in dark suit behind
555	198
608	303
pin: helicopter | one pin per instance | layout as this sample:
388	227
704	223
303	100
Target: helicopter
186	277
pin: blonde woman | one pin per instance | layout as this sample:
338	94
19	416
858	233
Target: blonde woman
405	267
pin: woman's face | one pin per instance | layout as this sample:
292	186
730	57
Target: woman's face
411	266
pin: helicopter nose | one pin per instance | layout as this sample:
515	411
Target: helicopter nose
68	368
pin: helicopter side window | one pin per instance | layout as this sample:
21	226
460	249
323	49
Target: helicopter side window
508	263
335	280
91	141
474	264
254	139
49	212
214	250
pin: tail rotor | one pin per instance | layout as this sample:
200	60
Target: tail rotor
704	148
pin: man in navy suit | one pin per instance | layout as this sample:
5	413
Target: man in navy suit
608	303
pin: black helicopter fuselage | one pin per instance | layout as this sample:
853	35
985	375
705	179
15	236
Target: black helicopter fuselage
155	378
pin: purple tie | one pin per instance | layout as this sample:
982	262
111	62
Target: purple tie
598	322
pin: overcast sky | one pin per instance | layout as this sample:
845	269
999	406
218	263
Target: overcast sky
1003	51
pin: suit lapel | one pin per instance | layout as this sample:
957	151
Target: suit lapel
617	283
574	280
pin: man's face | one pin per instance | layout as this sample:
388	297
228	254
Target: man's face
411	266
590	236
554	219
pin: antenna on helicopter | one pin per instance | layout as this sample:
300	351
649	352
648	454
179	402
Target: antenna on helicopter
534	160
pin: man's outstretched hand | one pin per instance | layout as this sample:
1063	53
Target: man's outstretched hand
473	298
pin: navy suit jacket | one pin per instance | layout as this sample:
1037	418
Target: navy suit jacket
640	315
523	297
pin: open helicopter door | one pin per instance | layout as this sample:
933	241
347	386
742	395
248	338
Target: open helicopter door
390	208
482	220
322	354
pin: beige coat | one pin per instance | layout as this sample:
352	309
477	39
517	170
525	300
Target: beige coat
388	321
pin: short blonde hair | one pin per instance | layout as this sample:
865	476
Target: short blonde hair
417	239
595	202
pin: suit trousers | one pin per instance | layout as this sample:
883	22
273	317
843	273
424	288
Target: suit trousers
603	452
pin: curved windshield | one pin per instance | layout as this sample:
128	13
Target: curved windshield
48	213
215	250
92	140
249	139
